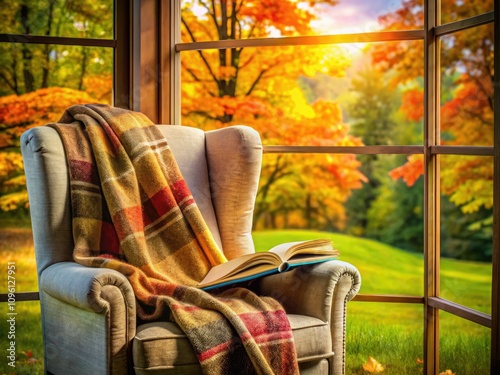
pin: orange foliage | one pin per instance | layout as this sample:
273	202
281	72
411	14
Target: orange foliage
99	87
17	114
413	104
283	15
372	366
259	87
411	171
466	116
20	112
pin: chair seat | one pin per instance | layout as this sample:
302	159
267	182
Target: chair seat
161	347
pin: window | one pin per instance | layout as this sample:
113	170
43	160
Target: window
52	55
378	129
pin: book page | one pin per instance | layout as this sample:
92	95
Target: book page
288	250
279	259
239	264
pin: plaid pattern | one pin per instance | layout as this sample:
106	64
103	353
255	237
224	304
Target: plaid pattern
133	212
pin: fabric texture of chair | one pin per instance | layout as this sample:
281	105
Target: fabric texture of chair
89	314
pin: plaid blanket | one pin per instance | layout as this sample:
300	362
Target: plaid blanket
133	212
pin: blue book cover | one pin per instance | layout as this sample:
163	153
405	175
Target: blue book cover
281	258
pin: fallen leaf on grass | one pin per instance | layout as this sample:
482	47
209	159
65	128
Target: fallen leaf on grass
447	372
28	353
30	358
373	366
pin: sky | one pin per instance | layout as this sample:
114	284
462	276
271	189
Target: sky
347	17
353	16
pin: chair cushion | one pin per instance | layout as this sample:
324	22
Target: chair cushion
159	346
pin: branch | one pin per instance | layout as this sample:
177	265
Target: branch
254	84
214	17
234	21
275	175
473	114
193	39
195	77
7	81
254	26
199	51
223	25
238	8
204	114
207	30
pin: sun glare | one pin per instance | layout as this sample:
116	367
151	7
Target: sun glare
198	10
343	19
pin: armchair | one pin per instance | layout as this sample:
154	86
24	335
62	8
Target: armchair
88	314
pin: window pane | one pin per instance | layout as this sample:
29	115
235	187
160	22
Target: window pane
39	83
29	67
467	87
375	221
455	10
278	18
464	346
303	95
75	18
467	230
391	333
28	338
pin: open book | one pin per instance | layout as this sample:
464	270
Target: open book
280	258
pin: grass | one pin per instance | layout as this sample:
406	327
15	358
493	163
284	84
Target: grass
391	333
16	245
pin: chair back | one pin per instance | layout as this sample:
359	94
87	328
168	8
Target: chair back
221	168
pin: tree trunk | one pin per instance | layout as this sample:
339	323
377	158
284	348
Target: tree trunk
29	80
46	50
84	68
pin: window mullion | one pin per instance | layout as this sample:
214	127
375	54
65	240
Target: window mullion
121	54
431	188
495	291
170	65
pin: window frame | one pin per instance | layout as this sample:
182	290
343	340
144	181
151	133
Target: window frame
431	150
152	66
120	43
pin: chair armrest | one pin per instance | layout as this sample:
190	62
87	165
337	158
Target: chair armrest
89	319
94	289
321	291
316	290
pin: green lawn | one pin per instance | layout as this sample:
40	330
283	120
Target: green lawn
16	245
390	333
393	333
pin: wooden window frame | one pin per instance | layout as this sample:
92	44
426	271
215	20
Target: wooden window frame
431	149
121	71
147	78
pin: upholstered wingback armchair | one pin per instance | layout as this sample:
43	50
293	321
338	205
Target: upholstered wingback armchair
89	314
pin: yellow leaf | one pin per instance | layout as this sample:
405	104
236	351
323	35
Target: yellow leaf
373	366
447	372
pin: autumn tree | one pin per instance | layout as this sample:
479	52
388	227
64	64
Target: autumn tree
260	87
17	114
467	114
27	67
466	118
373	121
30	74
